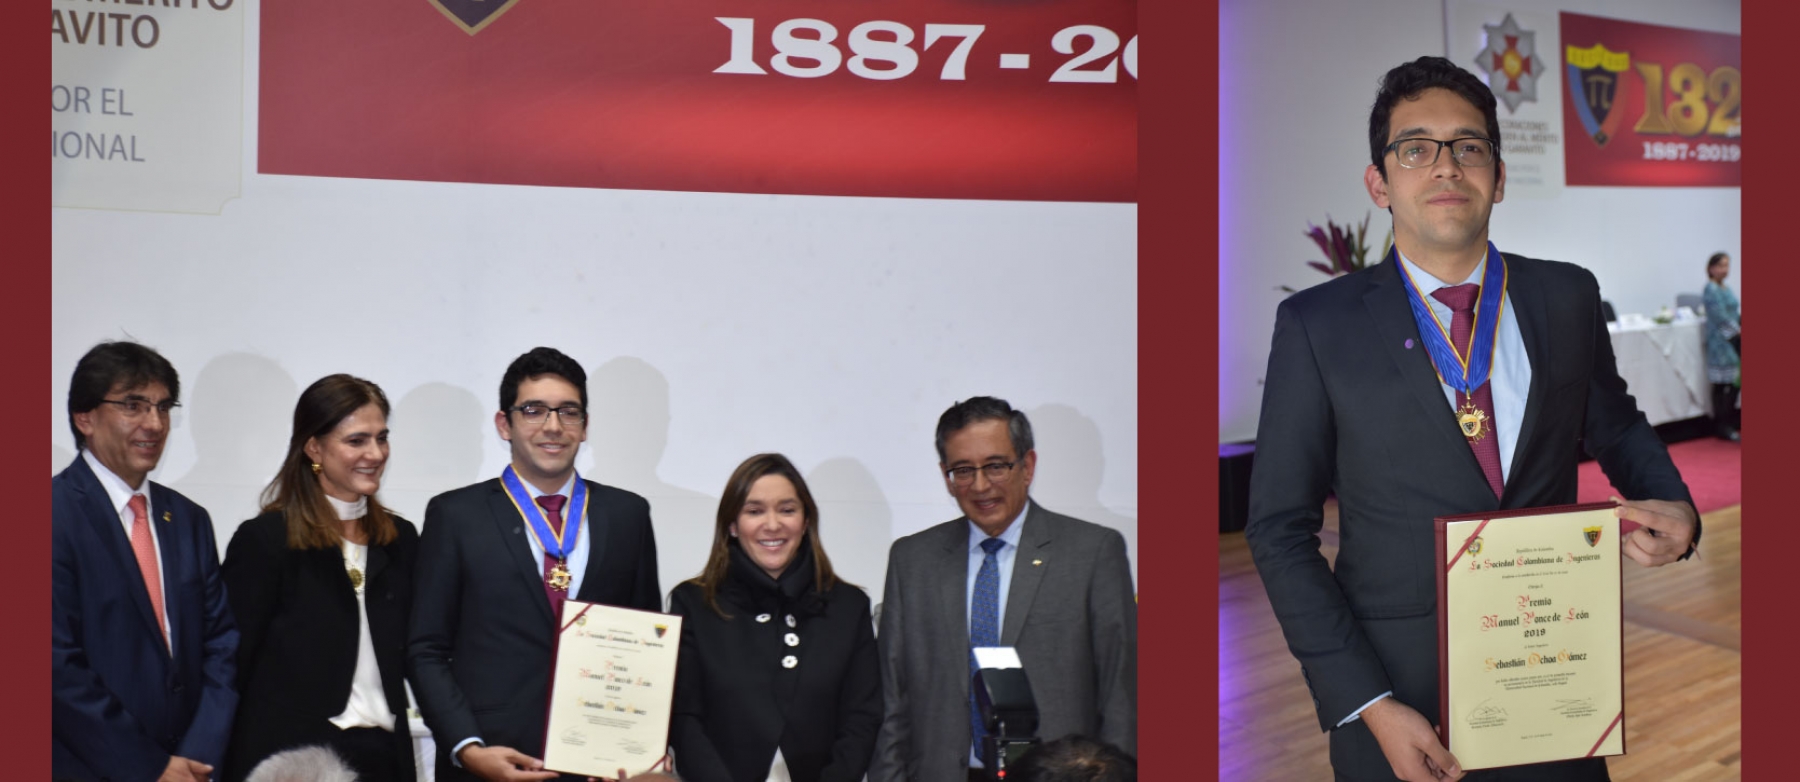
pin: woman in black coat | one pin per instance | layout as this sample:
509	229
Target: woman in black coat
321	586
778	667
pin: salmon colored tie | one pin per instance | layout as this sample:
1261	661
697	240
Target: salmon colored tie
145	548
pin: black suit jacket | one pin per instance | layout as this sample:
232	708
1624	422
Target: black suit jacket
300	629
479	651
120	706
736	702
1350	408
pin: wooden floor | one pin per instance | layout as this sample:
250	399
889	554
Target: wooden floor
1682	654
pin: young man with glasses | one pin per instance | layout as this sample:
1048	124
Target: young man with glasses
1360	401
1008	573
497	560
142	644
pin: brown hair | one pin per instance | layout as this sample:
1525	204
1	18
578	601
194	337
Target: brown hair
311	521
737	492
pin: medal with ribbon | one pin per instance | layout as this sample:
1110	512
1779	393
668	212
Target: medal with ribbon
556	544
1464	372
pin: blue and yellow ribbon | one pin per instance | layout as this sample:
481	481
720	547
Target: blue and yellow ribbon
534	516
1464	373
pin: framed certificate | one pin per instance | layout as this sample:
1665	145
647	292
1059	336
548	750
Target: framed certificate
611	690
1530	636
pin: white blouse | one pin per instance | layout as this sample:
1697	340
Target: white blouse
367	706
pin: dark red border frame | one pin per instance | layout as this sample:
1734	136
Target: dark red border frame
1178	391
1178	394
1771	539
25	319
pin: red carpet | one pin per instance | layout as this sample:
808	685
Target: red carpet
1711	467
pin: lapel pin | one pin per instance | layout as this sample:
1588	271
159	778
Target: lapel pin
165	515
1409	344
1036	562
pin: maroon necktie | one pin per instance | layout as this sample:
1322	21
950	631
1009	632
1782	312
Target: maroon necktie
553	505
1461	301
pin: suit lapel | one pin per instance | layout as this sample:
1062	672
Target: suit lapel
594	527
1533	314
513	532
949	574
103	521
378	560
169	528
1391	310
1034	543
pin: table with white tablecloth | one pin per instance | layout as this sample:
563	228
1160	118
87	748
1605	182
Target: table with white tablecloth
1664	366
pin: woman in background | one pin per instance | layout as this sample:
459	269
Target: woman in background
1722	345
778	677
321	586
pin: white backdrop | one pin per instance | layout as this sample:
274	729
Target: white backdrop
713	326
1298	82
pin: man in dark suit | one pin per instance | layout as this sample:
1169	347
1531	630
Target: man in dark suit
141	638
1353	405
1008	573
497	559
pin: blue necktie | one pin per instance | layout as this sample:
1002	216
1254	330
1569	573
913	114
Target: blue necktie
984	626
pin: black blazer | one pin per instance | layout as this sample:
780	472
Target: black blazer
1352	405
481	638
735	701
296	612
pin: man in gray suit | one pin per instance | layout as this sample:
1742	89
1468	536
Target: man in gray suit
1007	573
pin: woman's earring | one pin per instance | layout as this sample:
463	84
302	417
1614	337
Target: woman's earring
317	469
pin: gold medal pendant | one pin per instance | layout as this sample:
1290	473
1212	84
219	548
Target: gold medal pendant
1472	420
356	579
559	577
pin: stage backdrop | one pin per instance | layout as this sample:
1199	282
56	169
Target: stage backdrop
1298	80
389	213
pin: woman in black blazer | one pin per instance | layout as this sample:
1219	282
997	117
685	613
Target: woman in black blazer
321	585
778	667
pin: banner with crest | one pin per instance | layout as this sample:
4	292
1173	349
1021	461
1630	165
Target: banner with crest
966	99
1646	105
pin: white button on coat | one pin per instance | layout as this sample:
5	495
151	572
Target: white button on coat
763	617
789	661
791	639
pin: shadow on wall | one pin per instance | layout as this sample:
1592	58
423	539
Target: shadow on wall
855	522
60	458
1070	468
240	411
436	435
628	430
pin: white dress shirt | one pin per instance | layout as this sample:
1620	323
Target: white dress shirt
119	493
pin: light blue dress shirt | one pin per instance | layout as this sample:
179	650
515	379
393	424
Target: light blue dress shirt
1511	377
1004	558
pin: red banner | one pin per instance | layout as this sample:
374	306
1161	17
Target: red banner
1646	105
910	98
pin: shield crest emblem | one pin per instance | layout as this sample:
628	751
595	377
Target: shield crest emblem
473	15
1597	88
660	629
1592	534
